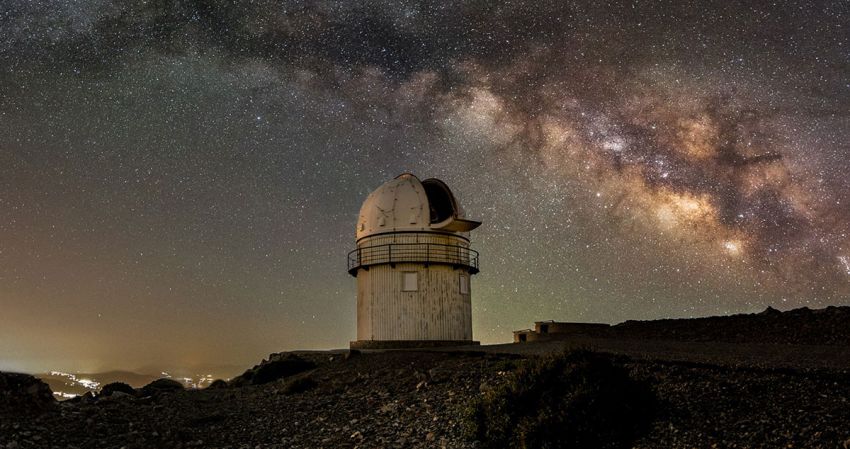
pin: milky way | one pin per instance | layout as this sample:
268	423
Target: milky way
180	179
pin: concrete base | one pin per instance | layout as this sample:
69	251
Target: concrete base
408	344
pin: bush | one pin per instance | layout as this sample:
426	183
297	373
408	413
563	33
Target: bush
577	400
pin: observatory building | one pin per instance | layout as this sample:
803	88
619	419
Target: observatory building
413	266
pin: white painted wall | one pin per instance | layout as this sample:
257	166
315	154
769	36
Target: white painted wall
436	311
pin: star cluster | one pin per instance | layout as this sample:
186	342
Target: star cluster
179	180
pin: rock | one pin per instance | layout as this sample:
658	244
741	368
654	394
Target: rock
24	393
119	387
163	385
382	410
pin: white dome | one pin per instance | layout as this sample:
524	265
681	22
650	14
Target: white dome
406	204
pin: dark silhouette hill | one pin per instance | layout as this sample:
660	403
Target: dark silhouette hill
803	326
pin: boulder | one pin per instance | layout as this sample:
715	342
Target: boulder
115	387
24	393
163	385
217	384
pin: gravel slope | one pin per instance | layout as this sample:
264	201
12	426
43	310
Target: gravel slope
416	399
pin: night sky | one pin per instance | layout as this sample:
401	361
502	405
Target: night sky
180	180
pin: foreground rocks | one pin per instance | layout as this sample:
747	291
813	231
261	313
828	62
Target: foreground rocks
117	387
24	394
160	386
421	399
708	406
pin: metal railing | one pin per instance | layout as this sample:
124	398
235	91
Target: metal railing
413	252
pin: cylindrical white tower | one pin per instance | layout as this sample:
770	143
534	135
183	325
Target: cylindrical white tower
413	265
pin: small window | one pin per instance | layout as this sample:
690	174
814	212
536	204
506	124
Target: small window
410	281
464	284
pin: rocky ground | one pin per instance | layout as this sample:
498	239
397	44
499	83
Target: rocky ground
371	400
710	394
707	406
417	399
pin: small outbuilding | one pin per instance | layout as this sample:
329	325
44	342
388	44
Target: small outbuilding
553	330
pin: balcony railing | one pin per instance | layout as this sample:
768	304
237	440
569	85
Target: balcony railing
413	252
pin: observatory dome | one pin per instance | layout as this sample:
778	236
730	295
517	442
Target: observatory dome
407	204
